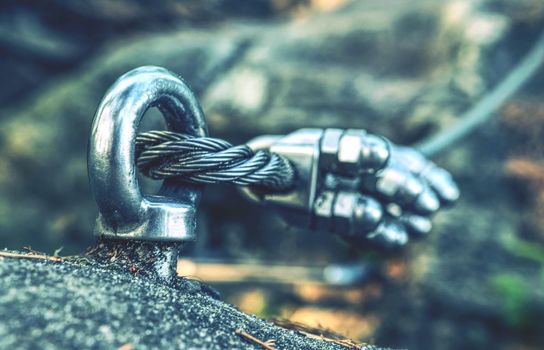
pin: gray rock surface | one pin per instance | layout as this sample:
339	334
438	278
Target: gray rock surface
79	305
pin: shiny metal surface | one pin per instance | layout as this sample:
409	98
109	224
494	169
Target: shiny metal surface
124	212
301	148
163	154
348	181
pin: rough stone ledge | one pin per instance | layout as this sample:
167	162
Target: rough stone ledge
76	303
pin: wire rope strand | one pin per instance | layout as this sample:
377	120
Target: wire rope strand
167	154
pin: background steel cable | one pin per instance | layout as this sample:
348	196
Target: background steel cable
484	109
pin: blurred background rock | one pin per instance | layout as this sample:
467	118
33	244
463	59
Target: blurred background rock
402	69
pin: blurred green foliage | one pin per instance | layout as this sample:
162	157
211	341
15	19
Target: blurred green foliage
515	299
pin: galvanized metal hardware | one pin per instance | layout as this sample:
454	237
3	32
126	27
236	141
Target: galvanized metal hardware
313	203
355	184
437	178
352	152
124	212
349	182
163	154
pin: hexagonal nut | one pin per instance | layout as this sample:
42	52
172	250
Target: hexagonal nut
343	212
349	152
442	181
330	143
390	181
169	220
411	188
375	153
367	215
323	211
389	234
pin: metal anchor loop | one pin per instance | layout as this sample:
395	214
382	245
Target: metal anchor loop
124	213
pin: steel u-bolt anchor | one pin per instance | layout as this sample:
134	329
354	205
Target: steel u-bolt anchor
124	212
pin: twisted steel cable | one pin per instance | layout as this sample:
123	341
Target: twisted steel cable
207	160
